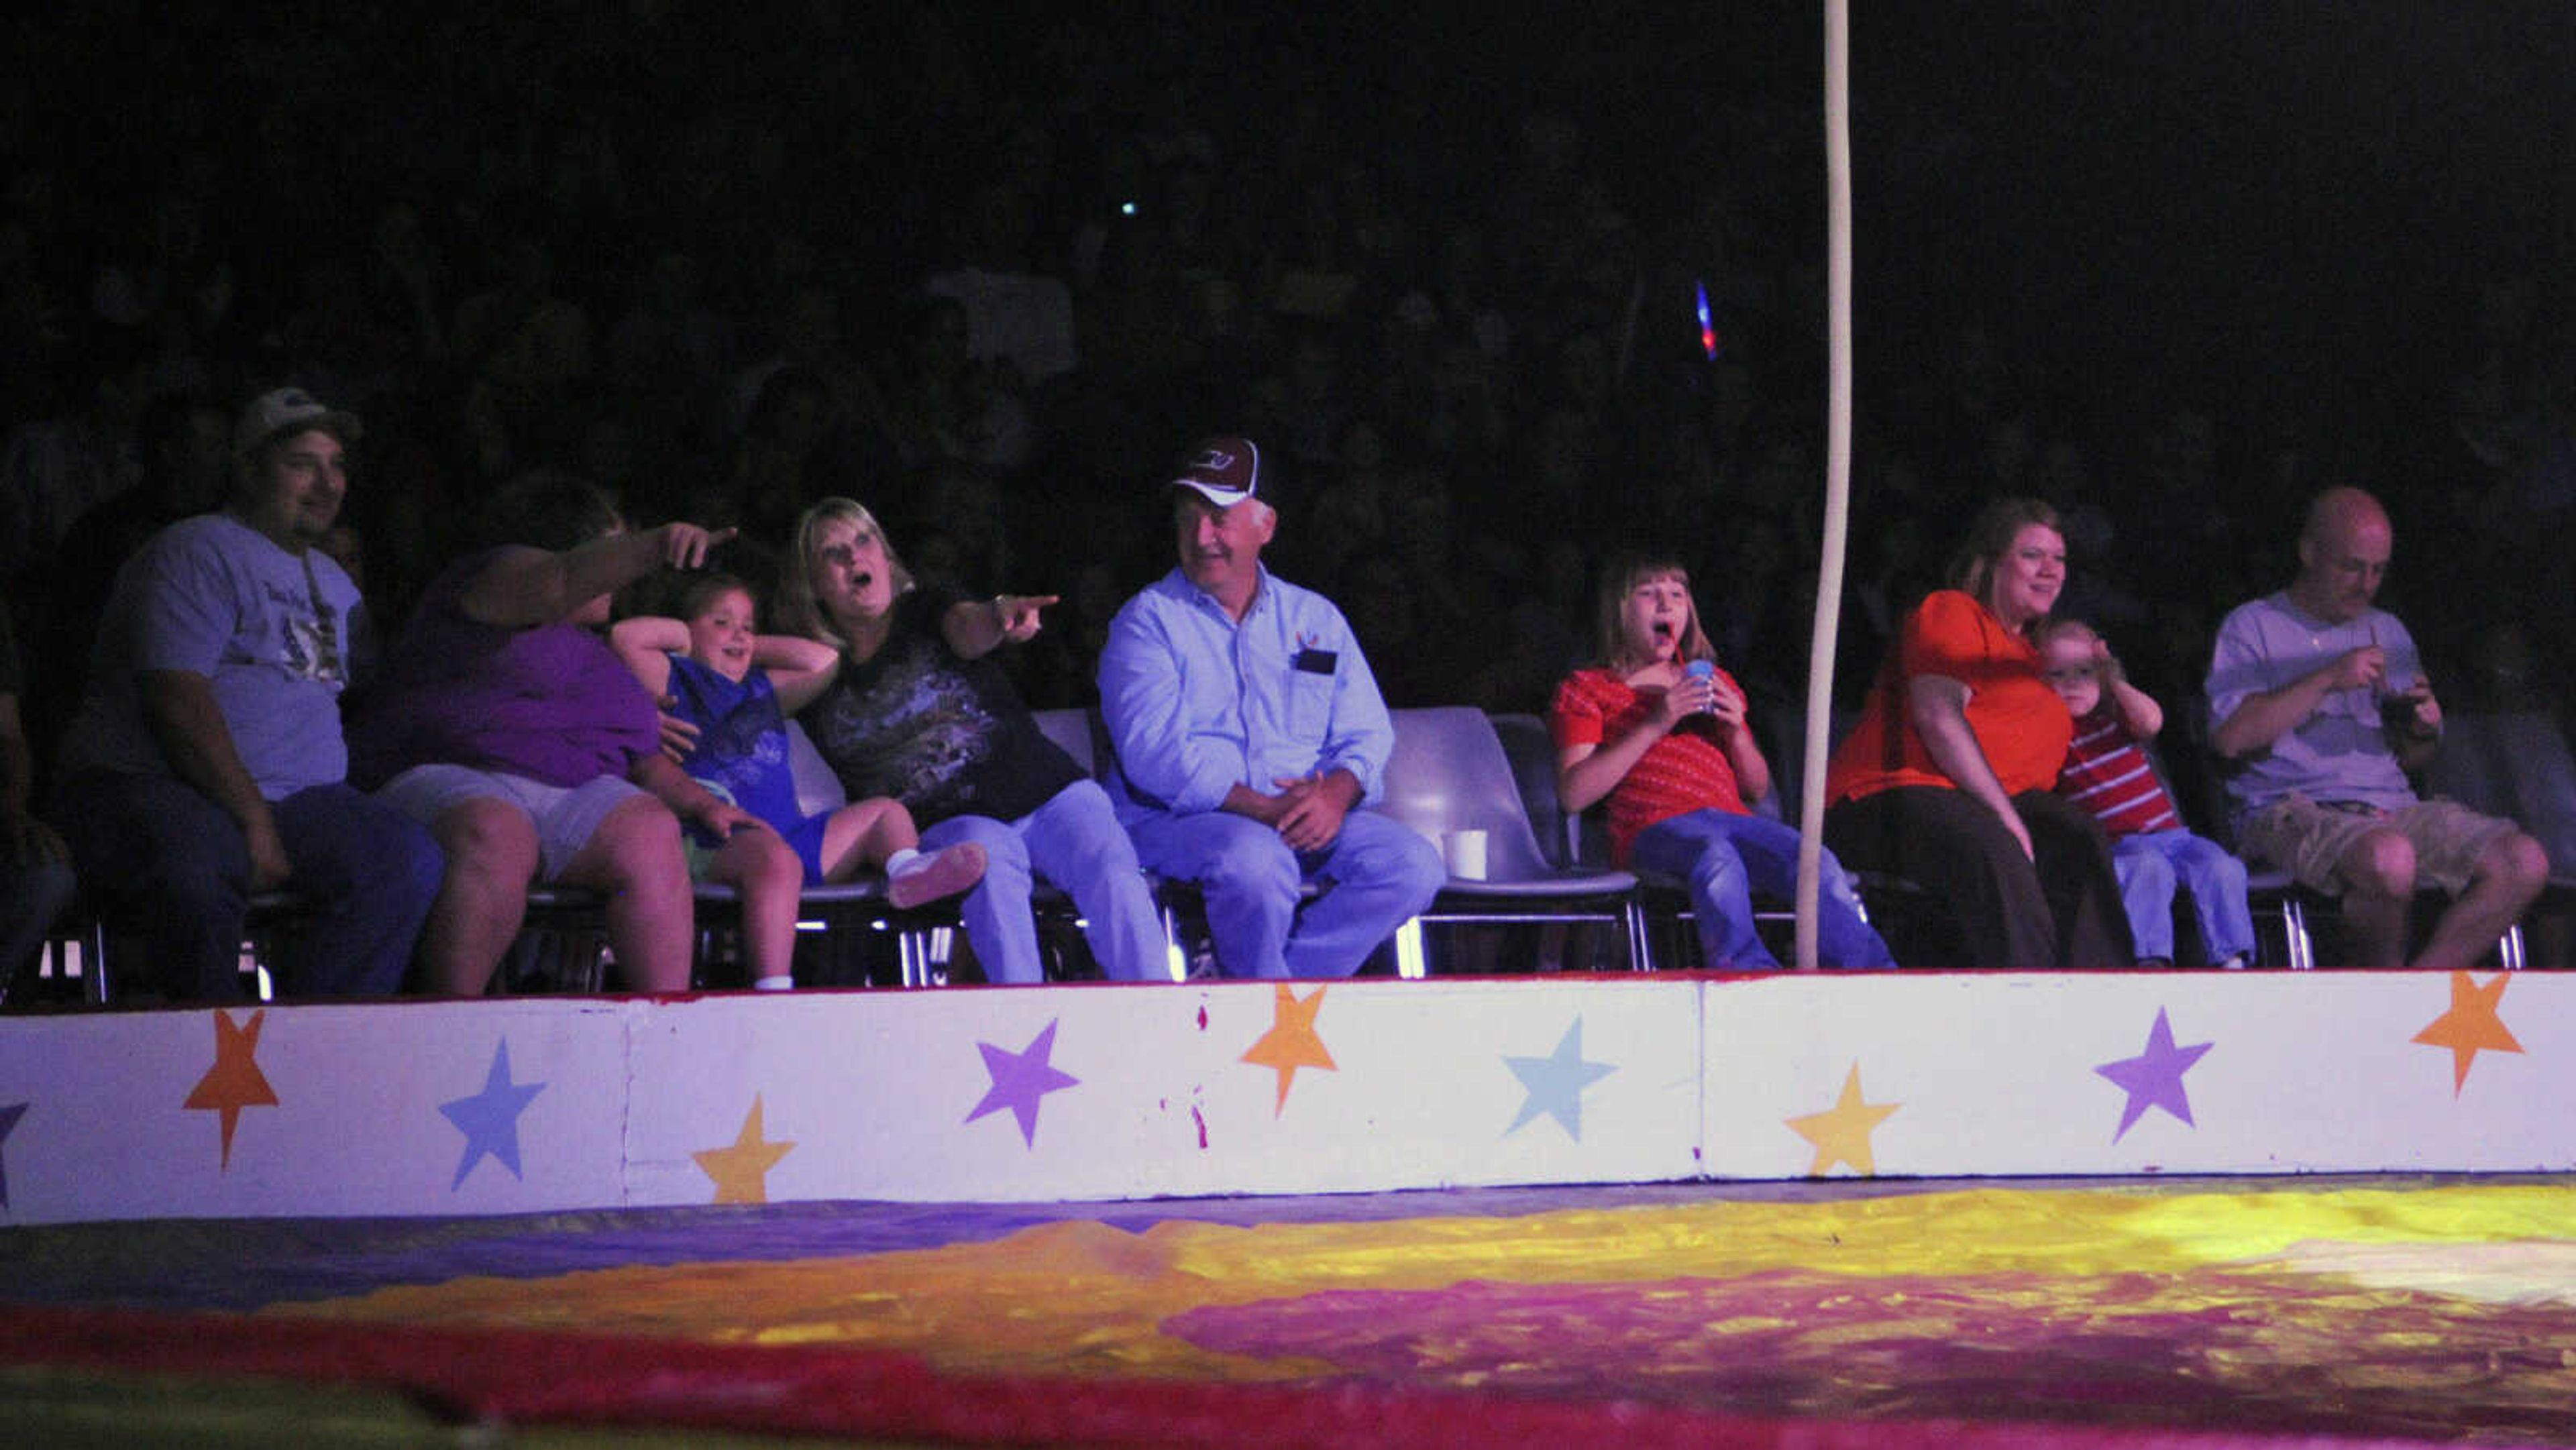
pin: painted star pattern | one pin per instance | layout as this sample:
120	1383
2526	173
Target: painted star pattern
741	1170
2153	1078
235	1081
1551	1085
2472	1023
1555	1083
1020	1079
490	1119
1841	1133
1291	1042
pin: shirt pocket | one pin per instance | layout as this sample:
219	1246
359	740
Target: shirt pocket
1310	704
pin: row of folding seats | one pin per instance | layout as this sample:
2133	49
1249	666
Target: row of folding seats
1454	770
1449	773
1458	769
2517	764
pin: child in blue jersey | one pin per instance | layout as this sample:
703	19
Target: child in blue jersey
737	688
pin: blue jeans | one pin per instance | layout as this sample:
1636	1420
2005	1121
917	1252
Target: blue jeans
174	867
1723	858
1075	842
2151	863
1377	875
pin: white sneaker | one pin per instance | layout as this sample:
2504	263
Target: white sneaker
928	877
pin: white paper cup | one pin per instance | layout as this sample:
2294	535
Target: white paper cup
1465	853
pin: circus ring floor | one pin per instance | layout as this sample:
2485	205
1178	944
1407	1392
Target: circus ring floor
1956	1209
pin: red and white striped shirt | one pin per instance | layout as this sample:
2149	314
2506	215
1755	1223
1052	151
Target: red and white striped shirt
2107	774
1687	770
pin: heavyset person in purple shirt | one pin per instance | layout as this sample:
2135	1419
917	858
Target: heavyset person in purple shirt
507	725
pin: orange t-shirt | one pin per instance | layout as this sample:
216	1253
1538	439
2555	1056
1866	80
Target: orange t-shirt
2018	720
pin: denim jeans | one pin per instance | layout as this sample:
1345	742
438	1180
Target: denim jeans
167	863
1074	841
2151	863
1723	858
1377	874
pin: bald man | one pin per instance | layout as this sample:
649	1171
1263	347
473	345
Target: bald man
2319	705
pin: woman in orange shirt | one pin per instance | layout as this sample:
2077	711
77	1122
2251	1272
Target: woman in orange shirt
1950	778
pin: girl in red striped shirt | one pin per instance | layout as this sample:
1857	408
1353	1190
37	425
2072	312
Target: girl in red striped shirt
1660	732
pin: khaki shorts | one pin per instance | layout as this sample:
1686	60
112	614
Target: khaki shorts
565	816
2309	840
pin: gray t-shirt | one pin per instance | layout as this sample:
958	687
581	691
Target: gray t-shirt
2338	753
270	630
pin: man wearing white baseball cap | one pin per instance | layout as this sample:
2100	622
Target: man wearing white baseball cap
1248	731
207	763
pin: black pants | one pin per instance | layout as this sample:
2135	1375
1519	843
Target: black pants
2059	907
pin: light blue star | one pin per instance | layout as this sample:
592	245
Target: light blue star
2153	1079
490	1119
1555	1083
1020	1079
9	1117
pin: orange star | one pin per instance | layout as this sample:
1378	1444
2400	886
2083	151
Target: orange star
1291	1042
741	1172
1842	1134
2471	1023
235	1081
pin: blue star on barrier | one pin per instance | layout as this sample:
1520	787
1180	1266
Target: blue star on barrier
1555	1083
490	1119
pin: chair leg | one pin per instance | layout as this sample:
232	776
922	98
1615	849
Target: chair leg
2303	947
1641	956
1409	962
94	979
922	956
2509	948
1176	955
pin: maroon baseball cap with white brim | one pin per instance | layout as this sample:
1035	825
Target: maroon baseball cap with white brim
290	410
1225	471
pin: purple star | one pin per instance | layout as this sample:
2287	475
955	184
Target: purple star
2153	1079
9	1117
490	1119
1019	1080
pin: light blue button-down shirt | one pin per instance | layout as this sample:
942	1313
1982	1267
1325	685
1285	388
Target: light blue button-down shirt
1197	704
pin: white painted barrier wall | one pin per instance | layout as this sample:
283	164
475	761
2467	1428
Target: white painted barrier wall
1108	1092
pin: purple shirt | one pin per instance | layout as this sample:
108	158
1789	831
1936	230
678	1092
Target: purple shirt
552	703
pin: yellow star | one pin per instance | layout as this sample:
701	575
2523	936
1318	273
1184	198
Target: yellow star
1842	1135
2471	1023
235	1081
1291	1042
741	1172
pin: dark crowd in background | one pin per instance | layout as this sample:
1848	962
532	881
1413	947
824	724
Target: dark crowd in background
1501	289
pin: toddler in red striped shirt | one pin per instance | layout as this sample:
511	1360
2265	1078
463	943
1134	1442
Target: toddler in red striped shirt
2108	773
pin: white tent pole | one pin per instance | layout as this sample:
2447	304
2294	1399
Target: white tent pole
1838	451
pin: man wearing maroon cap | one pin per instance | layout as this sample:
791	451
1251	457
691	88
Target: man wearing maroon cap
1248	730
